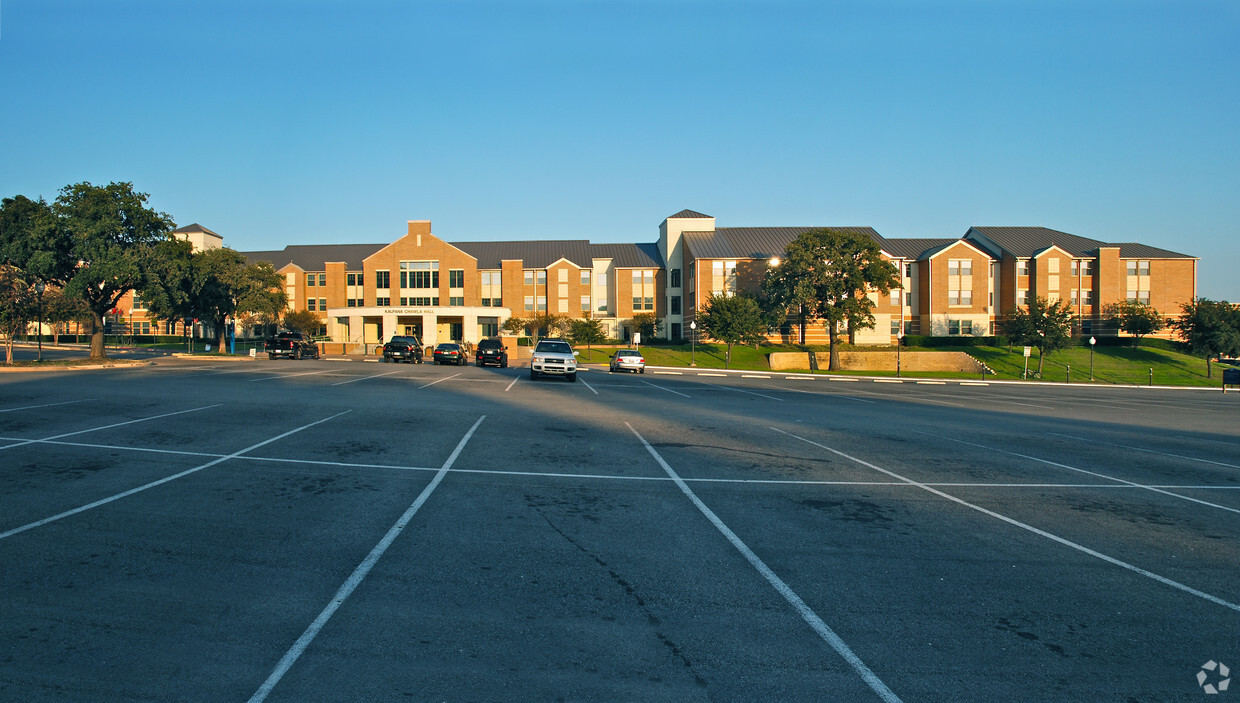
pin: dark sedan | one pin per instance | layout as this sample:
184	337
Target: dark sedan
450	353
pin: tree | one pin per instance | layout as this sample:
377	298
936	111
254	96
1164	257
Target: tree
646	324
17	306
733	319
302	321
825	275
211	285
514	325
1136	318
1041	324
60	309
94	243
1210	328
587	332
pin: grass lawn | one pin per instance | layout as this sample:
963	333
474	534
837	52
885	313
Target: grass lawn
1112	365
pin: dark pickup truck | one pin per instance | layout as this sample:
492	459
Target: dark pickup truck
294	345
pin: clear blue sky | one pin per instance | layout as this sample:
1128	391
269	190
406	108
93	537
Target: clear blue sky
278	123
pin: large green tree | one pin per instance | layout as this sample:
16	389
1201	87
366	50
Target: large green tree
732	319
587	331
1210	328
17	306
95	243
1136	318
824	275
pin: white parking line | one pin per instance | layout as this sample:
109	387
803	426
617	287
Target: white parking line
738	390
108	427
290	375
1083	471
1025	526
363	378
803	609
669	390
45	405
161	481
359	574
510	385
445	378
1148	451
588	385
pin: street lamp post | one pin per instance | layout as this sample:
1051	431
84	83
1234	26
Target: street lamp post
692	342
899	343
38	289
1092	342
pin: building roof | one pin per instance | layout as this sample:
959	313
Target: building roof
314	257
540	254
1026	242
756	242
915	249
194	228
687	215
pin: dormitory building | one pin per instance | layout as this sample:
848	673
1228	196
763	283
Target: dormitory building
441	290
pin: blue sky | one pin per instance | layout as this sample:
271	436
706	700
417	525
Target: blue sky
278	123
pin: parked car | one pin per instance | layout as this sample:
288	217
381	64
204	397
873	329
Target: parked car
449	353
627	360
491	351
294	345
407	349
554	357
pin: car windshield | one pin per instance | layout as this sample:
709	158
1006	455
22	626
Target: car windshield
489	344
554	346
446	347
627	352
404	340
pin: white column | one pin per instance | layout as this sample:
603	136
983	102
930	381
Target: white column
430	331
470	333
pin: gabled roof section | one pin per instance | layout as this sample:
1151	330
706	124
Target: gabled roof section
915	249
629	255
757	242
688	215
931	253
314	257
194	228
1133	250
535	255
1027	242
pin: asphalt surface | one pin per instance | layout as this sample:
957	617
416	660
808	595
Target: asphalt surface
345	531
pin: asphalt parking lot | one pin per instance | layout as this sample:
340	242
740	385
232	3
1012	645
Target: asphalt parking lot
345	531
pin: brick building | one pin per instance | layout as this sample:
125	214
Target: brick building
440	290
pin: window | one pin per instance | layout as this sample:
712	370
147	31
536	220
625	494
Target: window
488	326
322	280
456	301
723	277
529	278
323	304
959	267
601	279
953	326
1141	296
1087	268
1022	297
310	304
562	275
1088	298
675	304
1022	268
895	327
137	302
350	303
908	270
895	297
529	302
540	277
643	290
585	277
542	303
383	279
424	300
585	303
383	301
310	279
960	282
675	282
966	327
1052	265
456	278
1080	268
353	279
419	274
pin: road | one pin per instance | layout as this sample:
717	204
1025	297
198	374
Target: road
261	530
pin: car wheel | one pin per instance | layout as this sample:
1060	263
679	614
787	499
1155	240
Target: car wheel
572	377
271	356
503	364
296	355
533	375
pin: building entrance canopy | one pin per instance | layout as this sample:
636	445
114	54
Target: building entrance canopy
433	324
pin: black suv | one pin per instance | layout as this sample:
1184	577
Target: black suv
491	351
403	349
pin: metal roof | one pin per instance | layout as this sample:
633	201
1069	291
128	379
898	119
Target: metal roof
314	257
914	248
539	254
687	215
195	228
1026	242
756	242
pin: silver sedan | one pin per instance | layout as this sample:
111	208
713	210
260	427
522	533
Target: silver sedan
627	360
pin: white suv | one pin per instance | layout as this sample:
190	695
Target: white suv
554	357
